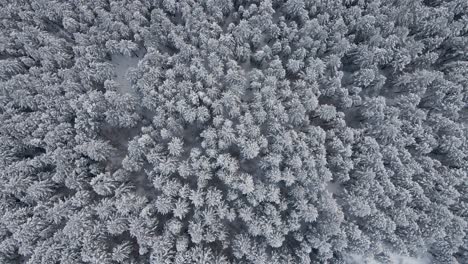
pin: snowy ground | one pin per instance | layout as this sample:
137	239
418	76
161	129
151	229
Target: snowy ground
122	65
394	259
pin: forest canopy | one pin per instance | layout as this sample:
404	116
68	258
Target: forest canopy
233	131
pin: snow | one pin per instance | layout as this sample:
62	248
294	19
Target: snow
409	260
121	137
394	259
122	65
334	187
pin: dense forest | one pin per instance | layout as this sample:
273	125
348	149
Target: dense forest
233	131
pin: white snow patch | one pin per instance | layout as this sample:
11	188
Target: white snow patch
409	260
334	187
394	259
122	65
358	259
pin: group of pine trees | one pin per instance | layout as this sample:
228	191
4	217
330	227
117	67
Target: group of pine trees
255	131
